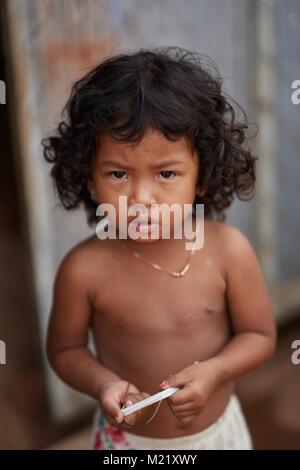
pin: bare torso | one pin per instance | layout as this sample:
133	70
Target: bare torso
148	325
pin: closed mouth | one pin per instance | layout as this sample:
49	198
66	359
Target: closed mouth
145	222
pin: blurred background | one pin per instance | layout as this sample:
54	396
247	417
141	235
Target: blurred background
45	45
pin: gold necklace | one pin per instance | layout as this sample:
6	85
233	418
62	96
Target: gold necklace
177	274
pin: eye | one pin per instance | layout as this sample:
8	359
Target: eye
167	175
117	174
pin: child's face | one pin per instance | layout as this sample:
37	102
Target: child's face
156	171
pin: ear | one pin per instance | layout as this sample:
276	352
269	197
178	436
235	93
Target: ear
90	187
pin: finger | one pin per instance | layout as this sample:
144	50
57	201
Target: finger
187	414
131	397
180	397
129	389
113	422
177	380
130	400
185	421
112	409
145	395
187	407
135	397
128	403
141	396
135	417
130	420
171	408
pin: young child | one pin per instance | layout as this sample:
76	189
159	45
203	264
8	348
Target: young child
156	127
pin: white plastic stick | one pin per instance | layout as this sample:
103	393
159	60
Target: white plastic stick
149	401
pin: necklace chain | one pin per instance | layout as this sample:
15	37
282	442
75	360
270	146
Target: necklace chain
177	274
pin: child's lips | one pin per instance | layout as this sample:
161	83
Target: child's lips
145	228
145	225
146	222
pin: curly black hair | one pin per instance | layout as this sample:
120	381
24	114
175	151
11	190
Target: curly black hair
170	90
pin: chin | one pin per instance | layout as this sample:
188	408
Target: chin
145	240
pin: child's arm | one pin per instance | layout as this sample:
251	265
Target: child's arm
68	337
250	310
254	330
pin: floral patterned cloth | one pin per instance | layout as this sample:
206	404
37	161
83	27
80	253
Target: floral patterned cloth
109	437
229	432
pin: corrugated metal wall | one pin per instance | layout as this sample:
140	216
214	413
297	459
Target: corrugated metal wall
287	28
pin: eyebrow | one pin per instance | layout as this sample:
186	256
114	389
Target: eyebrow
159	165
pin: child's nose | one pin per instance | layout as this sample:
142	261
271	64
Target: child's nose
142	193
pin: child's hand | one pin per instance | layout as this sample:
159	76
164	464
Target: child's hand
198	382
139	416
112	396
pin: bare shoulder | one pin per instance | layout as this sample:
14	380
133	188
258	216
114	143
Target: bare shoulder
236	243
229	237
77	257
81	255
230	244
76	269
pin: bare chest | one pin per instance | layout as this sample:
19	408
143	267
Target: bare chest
138	299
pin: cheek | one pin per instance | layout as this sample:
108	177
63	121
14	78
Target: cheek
106	191
186	189
107	194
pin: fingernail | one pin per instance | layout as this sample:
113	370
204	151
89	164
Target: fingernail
164	384
129	403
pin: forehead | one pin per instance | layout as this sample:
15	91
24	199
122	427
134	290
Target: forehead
152	145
